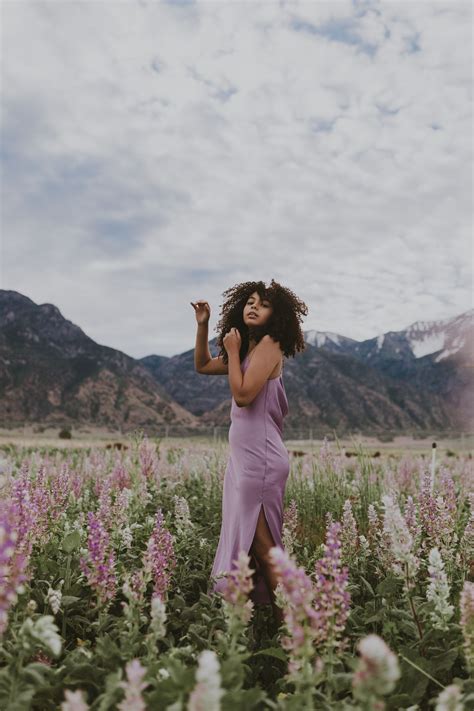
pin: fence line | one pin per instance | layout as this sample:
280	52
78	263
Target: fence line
309	434
221	433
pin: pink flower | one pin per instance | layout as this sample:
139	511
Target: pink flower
427	508
239	585
467	621
466	545
315	614
13	562
439	518
447	490
159	558
349	533
405	474
27	513
74	701
377	671
133	687
120	508
99	565
400	540
104	510
206	695
239	579
120	477
290	524
298	611
148	459
332	599
59	488
330	460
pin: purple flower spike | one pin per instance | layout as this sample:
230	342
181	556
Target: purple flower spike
99	565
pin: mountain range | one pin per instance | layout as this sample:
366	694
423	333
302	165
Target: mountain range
417	380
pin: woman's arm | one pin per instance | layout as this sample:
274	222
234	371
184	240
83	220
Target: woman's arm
203	362
264	360
201	351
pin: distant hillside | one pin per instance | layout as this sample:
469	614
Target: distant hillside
51	372
416	380
419	379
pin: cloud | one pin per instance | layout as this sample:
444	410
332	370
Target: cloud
156	153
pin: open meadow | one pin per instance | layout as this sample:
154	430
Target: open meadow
106	548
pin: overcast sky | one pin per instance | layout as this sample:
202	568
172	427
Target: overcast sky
158	153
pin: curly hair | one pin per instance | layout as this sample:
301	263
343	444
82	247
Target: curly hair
283	325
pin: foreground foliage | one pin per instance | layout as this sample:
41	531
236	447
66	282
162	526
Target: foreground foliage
104	572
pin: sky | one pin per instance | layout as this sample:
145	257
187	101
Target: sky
156	153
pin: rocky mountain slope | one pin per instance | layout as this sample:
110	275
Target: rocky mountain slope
415	380
52	372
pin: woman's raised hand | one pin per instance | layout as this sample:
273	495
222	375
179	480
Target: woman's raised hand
202	310
232	340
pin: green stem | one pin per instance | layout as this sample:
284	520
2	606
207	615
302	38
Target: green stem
412	605
68	573
329	667
66	588
422	671
16	675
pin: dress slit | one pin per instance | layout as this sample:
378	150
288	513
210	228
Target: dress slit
262	507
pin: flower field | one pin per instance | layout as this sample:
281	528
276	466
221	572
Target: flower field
105	558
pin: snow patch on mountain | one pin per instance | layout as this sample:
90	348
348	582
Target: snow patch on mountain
426	344
319	338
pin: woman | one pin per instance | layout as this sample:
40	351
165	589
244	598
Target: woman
259	326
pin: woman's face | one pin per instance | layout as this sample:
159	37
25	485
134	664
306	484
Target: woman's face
257	311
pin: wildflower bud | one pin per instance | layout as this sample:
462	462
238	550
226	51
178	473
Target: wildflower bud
127	537
207	692
182	514
43	632
377	671
158	616
54	599
239	585
74	701
133	686
364	546
467	621
450	699
280	598
438	591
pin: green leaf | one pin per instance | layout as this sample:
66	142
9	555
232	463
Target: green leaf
243	699
399	701
444	662
35	673
375	618
414	680
71	541
276	652
112	692
22	700
69	600
368	586
389	586
342	681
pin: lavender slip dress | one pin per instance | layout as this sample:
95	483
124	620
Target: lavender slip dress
255	476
